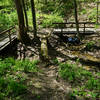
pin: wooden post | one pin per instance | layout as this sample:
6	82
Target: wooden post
9	36
84	27
24	49
44	44
44	49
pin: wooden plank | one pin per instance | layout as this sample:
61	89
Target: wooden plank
73	31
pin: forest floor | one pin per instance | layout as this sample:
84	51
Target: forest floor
47	84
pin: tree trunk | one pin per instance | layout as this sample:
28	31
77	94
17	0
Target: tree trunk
76	18
34	17
45	1
22	34
26	18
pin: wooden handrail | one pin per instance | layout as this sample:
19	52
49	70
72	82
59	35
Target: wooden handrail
79	27
75	23
7	30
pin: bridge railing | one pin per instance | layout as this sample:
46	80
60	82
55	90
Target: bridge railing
73	25
7	33
7	36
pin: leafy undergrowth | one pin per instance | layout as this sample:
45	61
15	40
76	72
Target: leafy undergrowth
84	83
8	18
13	74
45	20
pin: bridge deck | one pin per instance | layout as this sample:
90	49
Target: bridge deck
73	31
5	41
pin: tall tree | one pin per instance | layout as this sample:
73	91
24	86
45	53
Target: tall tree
34	17
26	18
22	34
76	18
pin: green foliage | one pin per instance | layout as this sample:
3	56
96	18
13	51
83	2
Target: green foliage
6	2
62	5
16	88
12	76
67	71
7	20
92	15
55	61
8	87
5	65
83	11
3	22
88	85
50	19
45	20
93	84
73	73
26	65
90	45
97	26
49	7
8	16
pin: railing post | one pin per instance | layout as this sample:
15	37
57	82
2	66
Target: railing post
9	36
84	27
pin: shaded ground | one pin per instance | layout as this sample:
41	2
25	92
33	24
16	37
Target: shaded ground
46	85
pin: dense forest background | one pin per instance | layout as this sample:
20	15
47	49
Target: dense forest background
47	12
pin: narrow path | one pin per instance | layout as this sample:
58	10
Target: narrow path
48	87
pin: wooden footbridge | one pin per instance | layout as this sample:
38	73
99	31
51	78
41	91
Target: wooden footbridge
7	37
85	28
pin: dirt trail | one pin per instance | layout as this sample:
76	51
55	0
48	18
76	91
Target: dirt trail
47	87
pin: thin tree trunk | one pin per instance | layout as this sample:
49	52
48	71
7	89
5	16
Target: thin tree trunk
26	18
45	1
34	17
76	18
22	34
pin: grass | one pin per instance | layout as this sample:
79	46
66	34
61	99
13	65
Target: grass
84	83
13	74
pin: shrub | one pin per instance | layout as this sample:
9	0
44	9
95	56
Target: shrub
7	20
73	73
26	65
13	76
50	19
88	84
90	45
93	84
68	71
